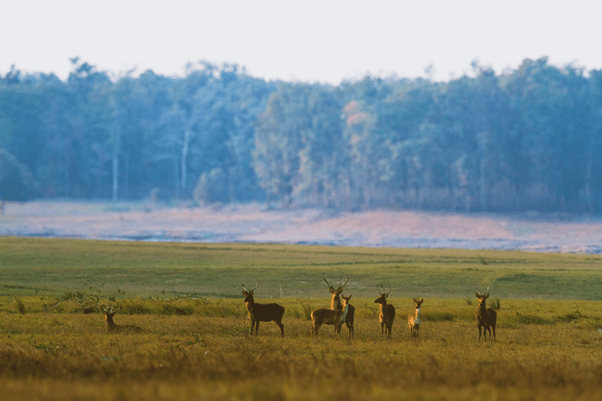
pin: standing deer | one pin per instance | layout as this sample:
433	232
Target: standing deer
117	328
262	312
486	317
330	316
414	318
335	303
386	313
350	317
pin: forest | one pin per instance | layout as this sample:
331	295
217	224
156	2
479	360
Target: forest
525	139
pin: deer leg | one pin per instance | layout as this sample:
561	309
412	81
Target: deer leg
279	323
382	330
479	326
257	327
314	330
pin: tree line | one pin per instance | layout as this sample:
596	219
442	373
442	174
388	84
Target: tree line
525	139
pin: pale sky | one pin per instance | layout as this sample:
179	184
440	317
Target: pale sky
313	41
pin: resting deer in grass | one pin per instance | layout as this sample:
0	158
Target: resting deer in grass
386	313
262	312
486	317
335	303
330	316
117	328
414	318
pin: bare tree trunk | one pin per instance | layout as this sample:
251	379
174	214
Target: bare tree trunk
588	178
115	174
184	157
176	175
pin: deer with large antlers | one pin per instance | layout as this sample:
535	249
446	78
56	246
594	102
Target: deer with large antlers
262	312
335	317
414	318
117	328
486	317
386	313
335	304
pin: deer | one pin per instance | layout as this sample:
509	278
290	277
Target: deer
117	328
414	318
386	313
335	303
262	312
330	316
486	317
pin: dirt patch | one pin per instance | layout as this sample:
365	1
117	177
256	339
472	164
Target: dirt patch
255	223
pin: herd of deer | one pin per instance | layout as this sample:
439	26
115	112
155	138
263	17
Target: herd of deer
343	312
339	313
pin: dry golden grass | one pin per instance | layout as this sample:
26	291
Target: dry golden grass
554	354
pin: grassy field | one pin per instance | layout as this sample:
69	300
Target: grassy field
195	344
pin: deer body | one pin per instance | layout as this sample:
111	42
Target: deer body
262	312
486	317
414	318
335	304
335	317
117	328
386	314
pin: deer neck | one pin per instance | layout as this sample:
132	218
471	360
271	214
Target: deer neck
344	314
483	308
250	303
109	322
335	303
417	316
383	306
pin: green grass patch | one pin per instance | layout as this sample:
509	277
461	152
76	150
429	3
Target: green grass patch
39	266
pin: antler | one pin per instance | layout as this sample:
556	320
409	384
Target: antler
327	283
479	292
338	290
382	291
243	287
110	309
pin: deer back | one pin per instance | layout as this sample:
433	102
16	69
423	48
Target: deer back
267	312
491	316
326	316
116	328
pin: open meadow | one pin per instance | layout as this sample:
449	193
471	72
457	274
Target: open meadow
195	341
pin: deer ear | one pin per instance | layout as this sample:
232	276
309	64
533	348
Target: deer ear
486	296
251	293
421	300
244	293
478	295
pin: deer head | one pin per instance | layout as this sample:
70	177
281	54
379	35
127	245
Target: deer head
383	295
248	293
482	297
110	310
335	301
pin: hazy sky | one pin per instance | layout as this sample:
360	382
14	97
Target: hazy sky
324	41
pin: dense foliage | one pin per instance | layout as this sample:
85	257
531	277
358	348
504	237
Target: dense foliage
524	139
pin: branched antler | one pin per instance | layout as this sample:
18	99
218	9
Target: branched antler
244	288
